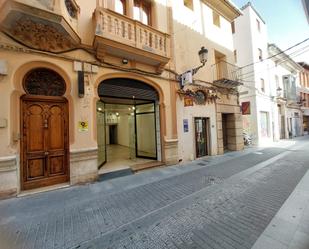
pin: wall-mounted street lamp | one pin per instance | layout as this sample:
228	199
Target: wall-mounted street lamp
279	91
203	54
186	77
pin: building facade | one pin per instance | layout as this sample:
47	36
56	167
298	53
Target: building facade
250	39
268	114
284	83
88	87
304	95
208	113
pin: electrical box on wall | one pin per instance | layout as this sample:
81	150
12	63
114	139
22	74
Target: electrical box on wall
77	66
3	67
3	123
87	67
94	69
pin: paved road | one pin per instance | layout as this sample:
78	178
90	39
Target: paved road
225	205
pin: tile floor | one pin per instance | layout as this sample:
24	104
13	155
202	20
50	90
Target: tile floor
118	157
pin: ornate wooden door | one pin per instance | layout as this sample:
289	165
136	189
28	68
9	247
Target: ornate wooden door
44	141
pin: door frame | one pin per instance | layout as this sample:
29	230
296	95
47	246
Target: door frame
224	131
104	131
135	128
207	132
155	124
51	99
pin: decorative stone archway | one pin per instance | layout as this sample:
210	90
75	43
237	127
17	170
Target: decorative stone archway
137	94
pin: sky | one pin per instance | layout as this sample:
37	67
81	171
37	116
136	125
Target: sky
286	23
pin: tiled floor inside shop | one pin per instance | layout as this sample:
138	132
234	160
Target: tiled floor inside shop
118	158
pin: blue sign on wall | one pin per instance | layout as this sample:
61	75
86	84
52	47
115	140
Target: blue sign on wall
185	125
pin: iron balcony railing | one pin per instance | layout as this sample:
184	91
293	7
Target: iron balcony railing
224	71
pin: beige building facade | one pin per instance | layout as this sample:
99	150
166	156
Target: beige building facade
304	95
211	124
90	86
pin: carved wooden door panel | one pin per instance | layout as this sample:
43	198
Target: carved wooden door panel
44	141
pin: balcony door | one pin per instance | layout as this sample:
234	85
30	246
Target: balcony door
120	7
142	11
221	67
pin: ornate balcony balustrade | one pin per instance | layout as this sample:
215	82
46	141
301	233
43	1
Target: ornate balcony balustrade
48	25
119	35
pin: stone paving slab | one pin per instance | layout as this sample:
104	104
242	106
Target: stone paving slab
289	229
211	222
229	215
67	218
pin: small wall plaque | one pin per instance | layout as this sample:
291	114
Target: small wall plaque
185	125
3	123
83	126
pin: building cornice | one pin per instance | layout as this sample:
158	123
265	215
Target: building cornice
279	57
304	65
225	8
249	4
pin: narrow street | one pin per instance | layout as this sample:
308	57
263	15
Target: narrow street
225	202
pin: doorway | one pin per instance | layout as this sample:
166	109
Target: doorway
128	125
224	132
113	134
201	136
44	130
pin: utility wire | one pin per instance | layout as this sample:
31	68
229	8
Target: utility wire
277	64
293	54
281	52
281	60
287	57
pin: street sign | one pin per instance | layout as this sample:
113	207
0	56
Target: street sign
186	78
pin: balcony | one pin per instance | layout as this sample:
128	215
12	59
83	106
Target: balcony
48	25
123	37
226	75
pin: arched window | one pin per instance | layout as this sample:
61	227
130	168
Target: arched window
120	6
43	81
142	11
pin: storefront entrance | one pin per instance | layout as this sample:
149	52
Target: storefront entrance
201	136
127	124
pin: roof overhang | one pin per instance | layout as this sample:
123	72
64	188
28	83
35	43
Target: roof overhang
285	60
304	65
225	8
249	4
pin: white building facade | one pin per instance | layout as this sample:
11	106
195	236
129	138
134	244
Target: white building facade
250	42
268	114
284	84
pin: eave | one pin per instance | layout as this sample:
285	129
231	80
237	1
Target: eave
225	8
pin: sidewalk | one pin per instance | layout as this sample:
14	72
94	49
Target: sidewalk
289	229
227	199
